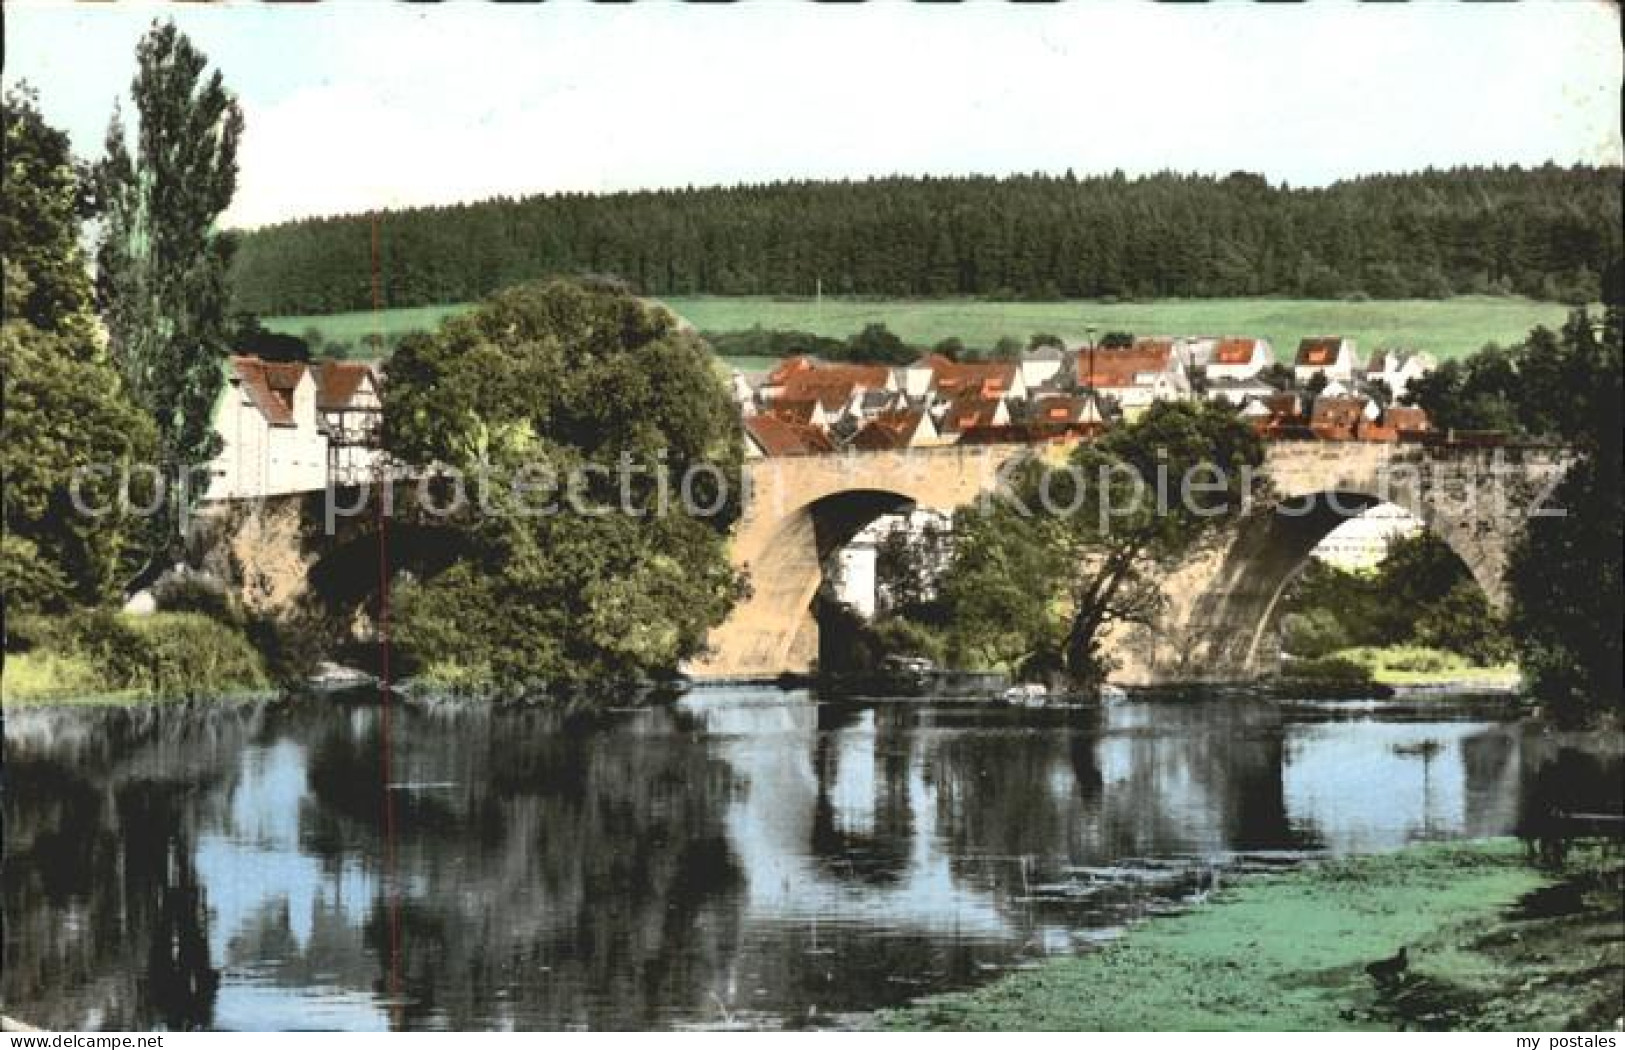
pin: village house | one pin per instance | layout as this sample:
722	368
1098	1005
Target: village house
742	392
838	389
898	429
1398	368
1237	391
1340	418
1041	365
1067	415
809	412
272	441
1137	377
350	412
767	435
919	378
1332	356
972	411
983	379
1405	419
1278	415
1239	358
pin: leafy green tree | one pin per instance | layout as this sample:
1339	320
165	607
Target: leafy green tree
161	264
40	214
1568	594
1046	572
250	336
880	345
1279	376
1420	594
553	385
1001	589
1008	348
65	407
65	410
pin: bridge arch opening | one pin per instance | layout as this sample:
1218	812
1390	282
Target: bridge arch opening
1275	547
798	561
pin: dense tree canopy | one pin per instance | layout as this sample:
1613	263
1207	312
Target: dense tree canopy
1568	587
1565	575
65	407
39	223
544	390
1547	232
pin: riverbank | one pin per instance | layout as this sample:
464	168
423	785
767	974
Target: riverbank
103	658
1493	943
1418	666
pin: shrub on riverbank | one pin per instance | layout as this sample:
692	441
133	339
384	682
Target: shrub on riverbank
106	654
1338	669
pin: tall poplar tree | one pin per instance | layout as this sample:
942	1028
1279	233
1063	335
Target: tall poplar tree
161	262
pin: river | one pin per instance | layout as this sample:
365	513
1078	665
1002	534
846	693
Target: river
755	858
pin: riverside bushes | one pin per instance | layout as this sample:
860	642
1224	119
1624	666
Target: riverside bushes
103	653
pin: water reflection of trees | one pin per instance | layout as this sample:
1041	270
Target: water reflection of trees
106	917
1142	782
552	872
545	870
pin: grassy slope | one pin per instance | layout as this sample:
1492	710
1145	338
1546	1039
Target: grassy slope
1289	952
1448	328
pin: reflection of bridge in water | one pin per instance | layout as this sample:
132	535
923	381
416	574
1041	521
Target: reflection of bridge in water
801	510
744	851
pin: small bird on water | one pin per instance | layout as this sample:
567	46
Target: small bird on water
1387	971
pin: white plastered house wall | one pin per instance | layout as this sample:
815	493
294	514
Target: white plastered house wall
261	458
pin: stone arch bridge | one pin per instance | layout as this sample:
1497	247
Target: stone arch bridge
1220	602
799	510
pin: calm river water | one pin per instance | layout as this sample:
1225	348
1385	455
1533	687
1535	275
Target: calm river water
756	858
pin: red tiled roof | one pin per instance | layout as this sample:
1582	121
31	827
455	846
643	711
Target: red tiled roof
269	386
337	382
1066	409
1118	368
889	430
1234	351
1404	417
1281	404
1337	412
1318	351
833	392
969	411
800	412
989	379
833	385
788	367
780	437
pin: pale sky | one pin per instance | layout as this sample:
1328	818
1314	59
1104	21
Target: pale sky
364	105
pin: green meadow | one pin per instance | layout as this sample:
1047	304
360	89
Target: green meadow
353	327
1447	327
